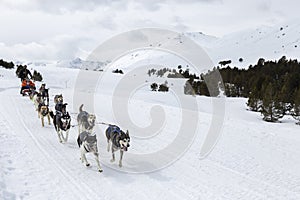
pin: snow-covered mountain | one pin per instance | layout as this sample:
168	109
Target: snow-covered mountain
243	48
78	63
266	42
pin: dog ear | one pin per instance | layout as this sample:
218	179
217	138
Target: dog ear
127	132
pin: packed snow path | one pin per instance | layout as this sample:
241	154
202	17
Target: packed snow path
252	160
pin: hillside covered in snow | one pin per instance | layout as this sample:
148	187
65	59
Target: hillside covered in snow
34	165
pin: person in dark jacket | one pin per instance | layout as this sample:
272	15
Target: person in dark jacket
24	73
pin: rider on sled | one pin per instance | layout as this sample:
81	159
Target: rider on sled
27	85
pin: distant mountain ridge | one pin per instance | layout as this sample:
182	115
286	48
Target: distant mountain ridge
270	43
243	48
78	63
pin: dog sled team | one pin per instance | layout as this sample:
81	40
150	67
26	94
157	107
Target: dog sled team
117	139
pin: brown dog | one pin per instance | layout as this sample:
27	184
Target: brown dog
43	111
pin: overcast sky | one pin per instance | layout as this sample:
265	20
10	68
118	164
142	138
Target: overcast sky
57	30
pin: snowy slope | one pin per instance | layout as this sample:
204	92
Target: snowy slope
268	42
252	160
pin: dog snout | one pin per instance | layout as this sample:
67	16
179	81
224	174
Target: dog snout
128	145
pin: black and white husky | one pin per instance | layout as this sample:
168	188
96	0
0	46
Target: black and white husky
118	140
62	123
86	121
87	143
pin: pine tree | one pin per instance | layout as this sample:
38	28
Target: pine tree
188	88
254	103
154	86
163	88
296	107
271	110
283	99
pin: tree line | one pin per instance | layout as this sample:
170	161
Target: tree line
36	76
272	87
7	65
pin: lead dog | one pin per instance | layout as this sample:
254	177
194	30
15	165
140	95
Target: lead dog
62	123
86	121
118	140
87	143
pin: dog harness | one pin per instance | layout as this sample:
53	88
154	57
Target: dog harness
114	128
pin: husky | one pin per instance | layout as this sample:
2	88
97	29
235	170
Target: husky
37	100
86	121
87	143
62	123
119	140
58	99
45	95
32	94
43	111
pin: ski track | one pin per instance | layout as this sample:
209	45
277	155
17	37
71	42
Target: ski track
58	157
252	160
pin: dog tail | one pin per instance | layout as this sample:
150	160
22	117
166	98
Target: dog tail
51	114
80	108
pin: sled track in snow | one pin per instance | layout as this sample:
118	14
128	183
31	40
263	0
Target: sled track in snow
86	192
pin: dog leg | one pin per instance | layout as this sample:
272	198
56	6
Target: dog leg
67	135
113	154
108	145
42	118
121	157
48	119
59	136
98	163
83	158
79	129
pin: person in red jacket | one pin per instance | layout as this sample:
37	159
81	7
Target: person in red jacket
27	84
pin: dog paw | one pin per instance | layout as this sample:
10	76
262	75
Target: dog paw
100	170
120	164
87	164
112	160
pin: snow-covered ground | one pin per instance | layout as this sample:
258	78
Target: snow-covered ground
253	159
